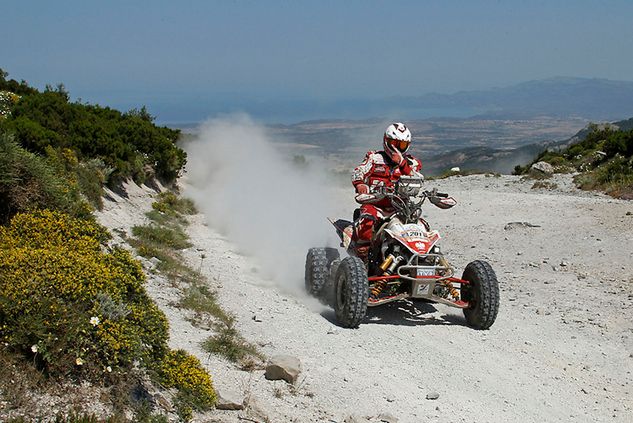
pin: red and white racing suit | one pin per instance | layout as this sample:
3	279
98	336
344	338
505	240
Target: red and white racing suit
378	170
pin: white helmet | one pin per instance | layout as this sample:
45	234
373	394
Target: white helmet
397	137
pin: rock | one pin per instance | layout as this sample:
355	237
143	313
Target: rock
228	400
257	319
456	169
387	418
256	411
154	261
513	225
432	395
332	330
629	213
563	264
284	367
542	169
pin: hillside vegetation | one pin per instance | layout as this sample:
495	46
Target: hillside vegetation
74	310
603	158
88	145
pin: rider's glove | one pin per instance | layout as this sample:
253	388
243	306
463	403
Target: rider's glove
365	198
398	158
364	195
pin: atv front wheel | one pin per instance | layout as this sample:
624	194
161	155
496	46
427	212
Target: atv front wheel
317	269
482	294
352	289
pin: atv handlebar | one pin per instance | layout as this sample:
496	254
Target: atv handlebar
390	192
407	196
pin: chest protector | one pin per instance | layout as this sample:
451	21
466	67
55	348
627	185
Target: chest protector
383	175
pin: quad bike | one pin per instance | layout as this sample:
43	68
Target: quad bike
403	262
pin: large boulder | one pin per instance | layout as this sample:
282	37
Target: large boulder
542	169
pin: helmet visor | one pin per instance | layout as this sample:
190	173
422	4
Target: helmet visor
401	145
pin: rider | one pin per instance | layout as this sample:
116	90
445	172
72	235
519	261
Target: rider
380	169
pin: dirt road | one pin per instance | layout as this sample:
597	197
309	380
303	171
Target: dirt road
561	349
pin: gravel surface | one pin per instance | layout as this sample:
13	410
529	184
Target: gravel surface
560	350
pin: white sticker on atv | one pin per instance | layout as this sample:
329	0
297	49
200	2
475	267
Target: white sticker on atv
426	272
423	289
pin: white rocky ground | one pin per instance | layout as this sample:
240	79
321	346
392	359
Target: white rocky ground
561	349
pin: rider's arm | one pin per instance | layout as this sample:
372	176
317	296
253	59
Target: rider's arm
362	194
360	179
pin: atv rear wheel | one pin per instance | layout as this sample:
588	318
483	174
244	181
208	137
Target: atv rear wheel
352	289
317	270
482	294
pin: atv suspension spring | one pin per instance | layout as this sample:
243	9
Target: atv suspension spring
451	289
378	287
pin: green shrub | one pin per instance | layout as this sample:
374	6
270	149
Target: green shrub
558	161
126	142
28	182
92	175
170	203
619	143
520	170
619	170
228	343
200	299
171	237
58	290
89	177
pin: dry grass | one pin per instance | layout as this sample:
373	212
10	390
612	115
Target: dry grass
544	185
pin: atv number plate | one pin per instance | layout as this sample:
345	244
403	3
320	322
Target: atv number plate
426	272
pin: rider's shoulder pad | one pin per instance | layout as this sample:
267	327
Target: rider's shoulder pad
375	157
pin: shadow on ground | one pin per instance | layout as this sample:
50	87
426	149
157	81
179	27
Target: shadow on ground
403	313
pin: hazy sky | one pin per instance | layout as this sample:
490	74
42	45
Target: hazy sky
189	55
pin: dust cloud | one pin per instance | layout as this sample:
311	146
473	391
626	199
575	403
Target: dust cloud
272	209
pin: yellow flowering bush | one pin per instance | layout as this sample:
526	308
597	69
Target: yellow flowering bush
71	303
184	372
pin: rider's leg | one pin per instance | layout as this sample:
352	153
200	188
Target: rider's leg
364	228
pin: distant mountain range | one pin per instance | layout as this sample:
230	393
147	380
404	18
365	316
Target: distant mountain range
598	99
592	99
